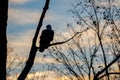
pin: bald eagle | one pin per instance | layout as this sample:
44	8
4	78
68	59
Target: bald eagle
45	38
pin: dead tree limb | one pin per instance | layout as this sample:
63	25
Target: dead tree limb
33	50
3	37
57	43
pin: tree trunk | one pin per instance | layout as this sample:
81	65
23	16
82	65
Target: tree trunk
3	37
33	50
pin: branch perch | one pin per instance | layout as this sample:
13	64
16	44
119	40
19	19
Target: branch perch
57	43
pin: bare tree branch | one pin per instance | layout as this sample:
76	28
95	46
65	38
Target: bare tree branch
33	50
57	43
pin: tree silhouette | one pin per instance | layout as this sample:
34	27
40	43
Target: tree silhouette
3	37
33	50
93	24
82	55
99	21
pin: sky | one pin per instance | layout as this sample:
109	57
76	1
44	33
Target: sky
26	13
23	17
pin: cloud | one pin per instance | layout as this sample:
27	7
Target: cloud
45	60
22	16
20	1
47	75
106	3
21	42
25	16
